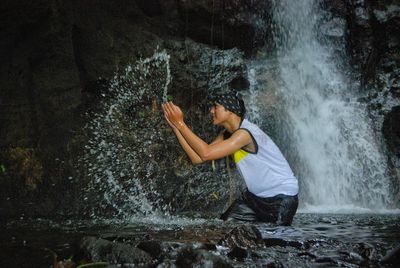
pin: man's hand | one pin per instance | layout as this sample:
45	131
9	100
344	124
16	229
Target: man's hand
173	114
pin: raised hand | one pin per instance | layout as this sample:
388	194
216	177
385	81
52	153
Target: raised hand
173	114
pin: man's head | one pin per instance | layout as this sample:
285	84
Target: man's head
231	101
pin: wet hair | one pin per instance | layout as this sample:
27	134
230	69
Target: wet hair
232	101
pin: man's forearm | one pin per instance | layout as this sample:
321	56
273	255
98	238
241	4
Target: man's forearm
194	157
196	143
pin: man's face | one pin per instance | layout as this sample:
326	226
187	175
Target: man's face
219	113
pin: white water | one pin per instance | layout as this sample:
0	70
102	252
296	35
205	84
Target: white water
118	159
158	58
252	107
341	165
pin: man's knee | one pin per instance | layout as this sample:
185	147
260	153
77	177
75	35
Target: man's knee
239	211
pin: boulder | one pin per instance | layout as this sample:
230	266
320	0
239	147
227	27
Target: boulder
245	236
193	257
98	249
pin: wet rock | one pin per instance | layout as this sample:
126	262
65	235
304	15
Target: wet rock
334	28
387	13
391	130
151	247
336	7
366	251
270	242
274	264
162	250
356	257
238	253
374	42
50	51
238	23
245	236
97	249
393	257
325	260
191	257
306	254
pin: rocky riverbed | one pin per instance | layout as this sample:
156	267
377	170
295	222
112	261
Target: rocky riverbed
314	240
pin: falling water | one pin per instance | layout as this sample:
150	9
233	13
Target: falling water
341	166
253	109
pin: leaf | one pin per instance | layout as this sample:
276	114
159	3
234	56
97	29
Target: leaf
2	168
215	195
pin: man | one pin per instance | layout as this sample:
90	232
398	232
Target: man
272	188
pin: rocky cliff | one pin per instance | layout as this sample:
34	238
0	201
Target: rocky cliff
59	56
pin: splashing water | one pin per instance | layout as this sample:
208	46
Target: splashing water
341	165
158	58
121	155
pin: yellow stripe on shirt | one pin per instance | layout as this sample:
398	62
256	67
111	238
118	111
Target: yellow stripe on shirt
239	155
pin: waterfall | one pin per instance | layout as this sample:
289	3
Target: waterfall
253	109
341	166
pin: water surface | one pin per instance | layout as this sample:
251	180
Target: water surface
334	240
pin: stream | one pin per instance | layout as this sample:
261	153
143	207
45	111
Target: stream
314	240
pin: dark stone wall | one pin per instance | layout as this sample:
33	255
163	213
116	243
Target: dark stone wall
374	44
57	57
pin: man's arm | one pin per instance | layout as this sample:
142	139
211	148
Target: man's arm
205	151
218	150
193	156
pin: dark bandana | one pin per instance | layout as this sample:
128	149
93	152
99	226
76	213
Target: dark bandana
231	102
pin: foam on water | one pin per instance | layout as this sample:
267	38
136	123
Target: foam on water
347	209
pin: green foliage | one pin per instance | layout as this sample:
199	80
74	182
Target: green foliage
141	114
2	168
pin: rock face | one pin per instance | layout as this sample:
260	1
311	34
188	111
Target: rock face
374	44
58	58
97	249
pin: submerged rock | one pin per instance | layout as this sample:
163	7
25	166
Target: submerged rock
391	132
270	242
238	253
193	257
393	257
98	249
245	236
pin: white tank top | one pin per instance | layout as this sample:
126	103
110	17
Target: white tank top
266	172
